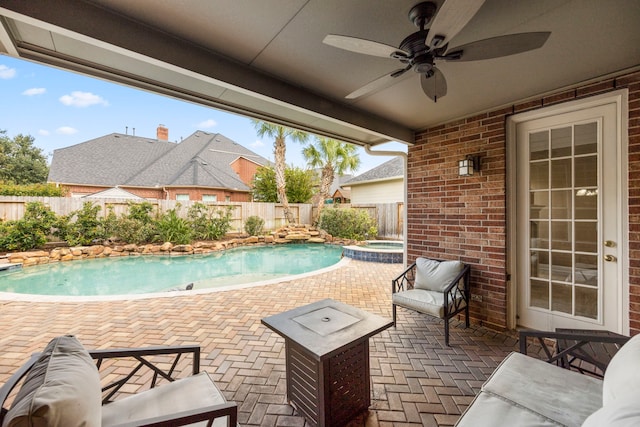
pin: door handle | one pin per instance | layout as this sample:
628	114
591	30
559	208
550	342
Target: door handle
610	243
609	258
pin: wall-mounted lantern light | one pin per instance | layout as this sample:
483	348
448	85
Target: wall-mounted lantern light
468	165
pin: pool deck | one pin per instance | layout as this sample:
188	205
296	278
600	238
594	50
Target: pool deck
416	379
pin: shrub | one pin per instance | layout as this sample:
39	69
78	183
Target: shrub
137	226
29	232
85	229
208	224
348	224
41	190
172	228
254	225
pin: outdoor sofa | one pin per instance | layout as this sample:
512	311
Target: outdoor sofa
62	387
524	391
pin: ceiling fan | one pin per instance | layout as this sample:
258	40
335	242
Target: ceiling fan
420	51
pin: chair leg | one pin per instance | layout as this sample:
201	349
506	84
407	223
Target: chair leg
466	316
393	309
446	332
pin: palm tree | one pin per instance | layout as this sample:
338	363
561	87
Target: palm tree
333	157
280	134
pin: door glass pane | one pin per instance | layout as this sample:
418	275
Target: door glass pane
539	176
561	142
586	236
539	296
539	145
587	302
586	138
561	298
561	202
561	266
539	234
586	203
540	264
561	173
586	269
539	204
586	171
561	232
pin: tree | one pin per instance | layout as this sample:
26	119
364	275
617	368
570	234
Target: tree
299	185
333	157
280	134
20	161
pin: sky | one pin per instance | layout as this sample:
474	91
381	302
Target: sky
60	108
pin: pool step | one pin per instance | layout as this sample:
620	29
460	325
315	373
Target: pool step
7	266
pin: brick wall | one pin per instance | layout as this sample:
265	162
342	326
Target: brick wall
464	218
194	193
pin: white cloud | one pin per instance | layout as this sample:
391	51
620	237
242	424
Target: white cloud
34	91
44	132
6	72
66	130
207	124
82	99
257	144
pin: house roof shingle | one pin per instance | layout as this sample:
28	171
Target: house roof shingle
203	159
393	168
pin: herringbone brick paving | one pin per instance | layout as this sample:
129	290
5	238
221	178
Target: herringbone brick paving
416	379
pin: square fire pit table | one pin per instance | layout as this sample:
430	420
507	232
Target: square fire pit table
327	359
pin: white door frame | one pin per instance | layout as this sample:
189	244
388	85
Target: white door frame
621	99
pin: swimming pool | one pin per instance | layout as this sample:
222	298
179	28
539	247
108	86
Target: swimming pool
150	274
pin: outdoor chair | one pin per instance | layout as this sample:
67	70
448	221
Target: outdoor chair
66	385
586	351
434	287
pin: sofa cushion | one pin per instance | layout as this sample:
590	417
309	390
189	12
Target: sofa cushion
622	412
435	275
565	396
622	377
489	410
194	392
61	389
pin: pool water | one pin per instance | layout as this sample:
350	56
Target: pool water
146	274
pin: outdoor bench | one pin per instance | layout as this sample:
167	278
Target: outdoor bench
66	385
525	391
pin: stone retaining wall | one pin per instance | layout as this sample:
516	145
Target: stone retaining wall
290	234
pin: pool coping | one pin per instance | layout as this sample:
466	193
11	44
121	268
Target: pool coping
11	296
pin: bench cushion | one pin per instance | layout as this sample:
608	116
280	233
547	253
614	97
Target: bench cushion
195	392
432	275
61	389
564	396
622	377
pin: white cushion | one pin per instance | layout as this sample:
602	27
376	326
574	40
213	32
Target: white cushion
61	389
436	275
194	392
428	302
561	395
622	377
622	412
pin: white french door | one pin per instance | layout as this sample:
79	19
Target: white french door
568	221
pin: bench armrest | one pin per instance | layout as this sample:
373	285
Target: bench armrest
405	280
142	358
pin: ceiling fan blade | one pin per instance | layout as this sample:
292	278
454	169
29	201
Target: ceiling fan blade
496	47
378	83
452	16
364	46
434	85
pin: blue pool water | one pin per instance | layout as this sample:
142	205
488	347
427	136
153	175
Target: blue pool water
146	274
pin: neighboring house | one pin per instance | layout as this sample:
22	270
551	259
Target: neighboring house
205	166
382	184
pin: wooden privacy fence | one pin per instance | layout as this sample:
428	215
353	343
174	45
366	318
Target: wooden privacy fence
389	215
13	207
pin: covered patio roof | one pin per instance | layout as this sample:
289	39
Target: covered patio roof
268	60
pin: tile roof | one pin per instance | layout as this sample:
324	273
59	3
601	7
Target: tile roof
393	168
203	159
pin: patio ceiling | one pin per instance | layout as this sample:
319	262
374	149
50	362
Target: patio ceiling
266	59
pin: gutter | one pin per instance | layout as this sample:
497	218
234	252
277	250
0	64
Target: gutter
402	154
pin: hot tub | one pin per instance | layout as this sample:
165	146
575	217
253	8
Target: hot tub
386	251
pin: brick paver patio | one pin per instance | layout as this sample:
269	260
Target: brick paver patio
416	380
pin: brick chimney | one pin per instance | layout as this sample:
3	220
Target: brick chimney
163	133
